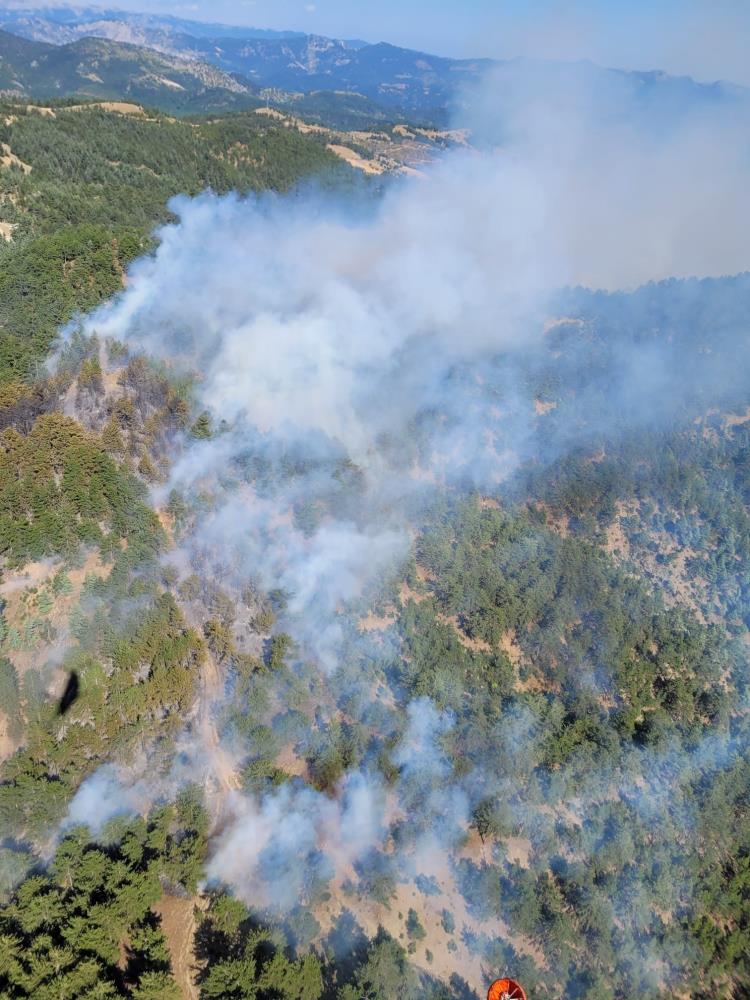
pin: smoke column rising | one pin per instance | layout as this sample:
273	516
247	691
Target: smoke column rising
326	338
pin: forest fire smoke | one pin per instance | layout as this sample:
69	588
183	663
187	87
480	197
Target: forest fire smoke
340	348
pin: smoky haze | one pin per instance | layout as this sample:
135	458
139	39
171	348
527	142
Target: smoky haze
354	359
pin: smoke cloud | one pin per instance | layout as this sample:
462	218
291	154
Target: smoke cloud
353	359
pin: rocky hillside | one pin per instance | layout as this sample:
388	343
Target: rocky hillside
99	68
365	83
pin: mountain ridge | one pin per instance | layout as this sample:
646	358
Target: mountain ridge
99	68
406	81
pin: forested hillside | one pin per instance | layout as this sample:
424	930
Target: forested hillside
83	187
94	67
537	713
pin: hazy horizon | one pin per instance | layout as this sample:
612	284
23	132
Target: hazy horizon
681	38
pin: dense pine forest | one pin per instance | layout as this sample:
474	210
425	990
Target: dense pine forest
569	646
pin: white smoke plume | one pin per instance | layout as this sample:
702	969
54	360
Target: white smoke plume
106	795
333	342
329	332
275	851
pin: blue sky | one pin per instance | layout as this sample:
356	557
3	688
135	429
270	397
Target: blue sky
709	39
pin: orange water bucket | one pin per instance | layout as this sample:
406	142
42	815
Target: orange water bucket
506	989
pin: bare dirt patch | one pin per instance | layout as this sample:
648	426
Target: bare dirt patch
35	109
555	520
736	419
8	745
509	645
667	565
518	850
178	923
531	682
407	593
376	623
616	541
166	521
272	113
450	953
403	151
556	321
172	84
221	770
354	159
119	107
458	136
9	159
290	762
475	645
419	593
16	591
291	121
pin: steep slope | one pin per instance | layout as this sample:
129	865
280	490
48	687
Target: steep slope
396	80
96	67
97	181
398	77
65	24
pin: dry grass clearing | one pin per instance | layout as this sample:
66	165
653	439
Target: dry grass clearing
119	107
355	160
178	923
9	159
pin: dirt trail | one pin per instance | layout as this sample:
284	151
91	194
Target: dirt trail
8	745
178	923
221	767
221	775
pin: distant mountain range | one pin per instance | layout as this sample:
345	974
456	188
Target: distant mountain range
412	82
98	68
66	24
192	66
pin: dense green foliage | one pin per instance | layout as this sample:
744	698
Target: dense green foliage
48	278
87	928
134	683
10	698
59	489
620	700
245	961
99	182
95	166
